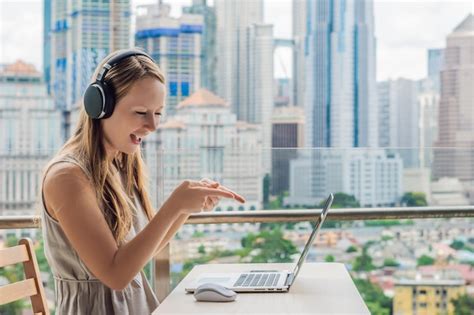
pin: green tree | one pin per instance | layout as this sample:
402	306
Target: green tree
414	199
457	245
351	249
329	258
268	246
463	305
342	200
425	260
390	262
201	249
377	302
266	190
364	261
198	234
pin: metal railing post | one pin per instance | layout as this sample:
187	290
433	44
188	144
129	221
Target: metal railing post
161	278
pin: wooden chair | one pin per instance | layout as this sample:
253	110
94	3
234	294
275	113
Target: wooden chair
30	287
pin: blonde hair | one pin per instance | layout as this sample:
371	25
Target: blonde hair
87	146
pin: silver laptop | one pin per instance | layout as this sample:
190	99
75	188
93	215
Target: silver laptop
263	280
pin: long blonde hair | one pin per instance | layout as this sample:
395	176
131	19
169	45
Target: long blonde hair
87	146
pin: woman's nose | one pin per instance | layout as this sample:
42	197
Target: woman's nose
151	122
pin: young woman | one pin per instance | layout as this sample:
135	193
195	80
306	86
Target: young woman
99	226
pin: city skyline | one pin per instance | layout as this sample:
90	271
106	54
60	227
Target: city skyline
408	48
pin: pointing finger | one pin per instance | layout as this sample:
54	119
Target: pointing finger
216	192
236	195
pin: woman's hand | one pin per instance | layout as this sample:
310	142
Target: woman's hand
212	201
193	196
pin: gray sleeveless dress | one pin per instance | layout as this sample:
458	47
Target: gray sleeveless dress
77	291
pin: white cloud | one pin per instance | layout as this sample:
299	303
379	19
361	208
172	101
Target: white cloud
405	30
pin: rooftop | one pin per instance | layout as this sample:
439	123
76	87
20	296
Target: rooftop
20	67
203	97
466	26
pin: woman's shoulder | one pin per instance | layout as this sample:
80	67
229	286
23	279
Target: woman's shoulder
64	168
65	181
64	172
65	162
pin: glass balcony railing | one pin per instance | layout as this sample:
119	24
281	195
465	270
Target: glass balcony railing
396	210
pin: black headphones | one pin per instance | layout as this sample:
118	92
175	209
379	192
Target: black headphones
99	97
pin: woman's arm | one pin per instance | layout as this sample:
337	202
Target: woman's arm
211	203
172	231
71	197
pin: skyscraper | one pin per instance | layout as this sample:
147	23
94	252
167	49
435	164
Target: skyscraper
287	137
340	103
428	101
245	64
47	44
175	44
82	33
435	64
299	35
340	92
234	18
455	158
208	44
399	115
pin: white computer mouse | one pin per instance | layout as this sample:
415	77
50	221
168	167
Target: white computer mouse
212	292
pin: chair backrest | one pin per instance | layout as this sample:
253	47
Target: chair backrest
30	287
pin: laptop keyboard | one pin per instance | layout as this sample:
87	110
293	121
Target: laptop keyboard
257	280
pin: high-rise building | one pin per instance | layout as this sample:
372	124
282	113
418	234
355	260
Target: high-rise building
455	157
175	44
299	64
428	102
47	43
245	65
435	64
205	140
399	118
340	103
256	104
340	93
287	137
29	136
208	44
234	20
428	99
282	92
82	33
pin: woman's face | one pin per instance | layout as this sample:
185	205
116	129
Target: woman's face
135	116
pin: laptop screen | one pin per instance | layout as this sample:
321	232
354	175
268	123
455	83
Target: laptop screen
315	232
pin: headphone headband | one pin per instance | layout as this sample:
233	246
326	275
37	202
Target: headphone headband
115	59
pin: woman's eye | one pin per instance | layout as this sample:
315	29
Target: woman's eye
141	113
158	114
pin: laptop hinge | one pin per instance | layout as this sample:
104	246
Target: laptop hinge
289	279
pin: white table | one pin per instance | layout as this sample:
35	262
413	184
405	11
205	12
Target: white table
320	288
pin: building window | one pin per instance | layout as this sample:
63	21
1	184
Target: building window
185	88
173	88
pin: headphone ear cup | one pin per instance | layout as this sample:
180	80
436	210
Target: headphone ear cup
94	100
109	94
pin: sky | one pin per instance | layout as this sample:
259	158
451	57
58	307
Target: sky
404	30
